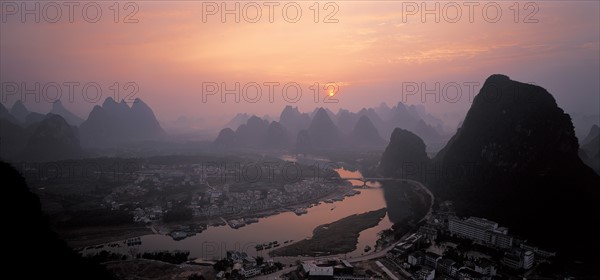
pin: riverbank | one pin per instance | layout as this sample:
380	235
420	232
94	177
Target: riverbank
339	237
216	221
91	236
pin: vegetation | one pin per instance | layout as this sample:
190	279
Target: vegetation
177	214
105	256
338	237
98	217
196	276
176	257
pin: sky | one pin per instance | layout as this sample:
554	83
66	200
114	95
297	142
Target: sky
182	57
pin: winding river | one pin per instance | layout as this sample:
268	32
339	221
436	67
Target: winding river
214	242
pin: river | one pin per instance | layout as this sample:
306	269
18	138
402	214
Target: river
214	242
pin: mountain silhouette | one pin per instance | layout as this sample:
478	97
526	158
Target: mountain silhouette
253	133
116	123
593	134
53	139
34	117
225	140
50	138
237	120
303	143
277	137
419	112
426	132
590	149
404	155
346	120
256	133
19	111
384	111
331	115
323	133
59	109
293	120
22	210
515	160
13	137
5	114
365	134
399	117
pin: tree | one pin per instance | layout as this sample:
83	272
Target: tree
260	260
196	276
221	265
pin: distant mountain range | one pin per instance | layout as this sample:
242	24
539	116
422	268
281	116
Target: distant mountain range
27	135
514	160
51	138
113	124
298	132
323	133
324	130
116	123
293	120
59	109
19	112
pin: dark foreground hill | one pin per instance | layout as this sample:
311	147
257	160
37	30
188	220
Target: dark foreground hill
32	250
515	160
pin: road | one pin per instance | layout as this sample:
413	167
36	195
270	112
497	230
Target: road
276	275
420	185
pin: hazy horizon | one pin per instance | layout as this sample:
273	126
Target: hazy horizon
372	53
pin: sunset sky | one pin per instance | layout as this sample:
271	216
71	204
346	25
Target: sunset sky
369	53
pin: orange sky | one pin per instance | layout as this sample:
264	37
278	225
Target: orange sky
369	53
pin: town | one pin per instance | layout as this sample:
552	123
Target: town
445	246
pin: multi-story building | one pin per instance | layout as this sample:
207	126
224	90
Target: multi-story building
519	259
431	259
467	273
485	267
537	251
528	259
500	238
476	229
251	271
428	231
416	258
445	266
481	231
425	274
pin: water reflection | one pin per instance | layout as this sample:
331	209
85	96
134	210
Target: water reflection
216	241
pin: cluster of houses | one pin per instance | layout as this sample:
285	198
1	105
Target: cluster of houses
246	266
415	253
328	269
223	202
215	201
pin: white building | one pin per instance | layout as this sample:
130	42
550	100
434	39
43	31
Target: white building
251	272
481	231
519	259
